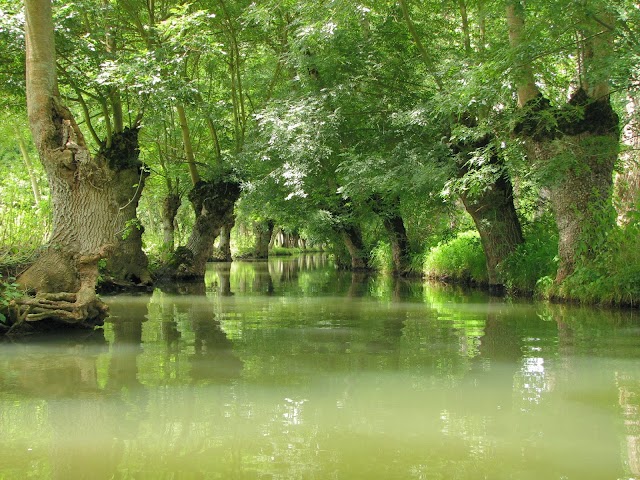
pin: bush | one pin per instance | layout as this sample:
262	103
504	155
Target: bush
9	291
381	258
613	277
460	260
524	270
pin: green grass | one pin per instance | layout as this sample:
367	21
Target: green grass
381	258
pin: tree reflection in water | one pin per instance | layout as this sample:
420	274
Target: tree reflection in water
305	372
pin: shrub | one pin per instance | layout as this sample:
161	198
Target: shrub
381	258
522	272
9	290
460	259
612	277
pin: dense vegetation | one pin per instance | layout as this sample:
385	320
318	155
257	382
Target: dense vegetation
471	140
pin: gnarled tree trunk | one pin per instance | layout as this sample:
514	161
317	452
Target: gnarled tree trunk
493	212
213	203
388	210
170	206
224	244
580	155
352	239
127	265
85	206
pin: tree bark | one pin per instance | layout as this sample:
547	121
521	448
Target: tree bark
352	239
188	148
127	265
388	210
85	207
213	203
627	181
170	206
225	238
27	162
581	155
264	232
493	212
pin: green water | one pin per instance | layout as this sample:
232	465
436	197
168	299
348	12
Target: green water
289	370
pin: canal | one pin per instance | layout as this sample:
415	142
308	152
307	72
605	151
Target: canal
288	369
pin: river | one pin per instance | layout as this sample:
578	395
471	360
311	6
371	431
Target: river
291	370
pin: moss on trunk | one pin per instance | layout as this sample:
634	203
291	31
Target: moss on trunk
127	265
576	155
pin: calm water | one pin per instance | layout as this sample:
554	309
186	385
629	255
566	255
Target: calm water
289	370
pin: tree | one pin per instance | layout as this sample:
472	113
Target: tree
85	207
99	54
576	144
485	187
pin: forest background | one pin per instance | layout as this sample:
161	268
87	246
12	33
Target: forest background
487	142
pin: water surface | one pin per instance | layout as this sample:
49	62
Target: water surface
291	370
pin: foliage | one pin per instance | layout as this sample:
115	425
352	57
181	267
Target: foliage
533	260
612	277
24	222
460	259
381	258
242	243
9	291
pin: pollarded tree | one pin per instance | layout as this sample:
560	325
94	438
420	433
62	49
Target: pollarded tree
98	44
576	144
85	206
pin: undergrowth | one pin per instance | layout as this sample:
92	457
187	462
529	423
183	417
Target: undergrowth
460	259
381	258
533	265
612	277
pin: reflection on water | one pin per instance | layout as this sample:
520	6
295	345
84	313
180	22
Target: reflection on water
289	369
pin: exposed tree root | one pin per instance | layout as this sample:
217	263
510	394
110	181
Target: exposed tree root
60	307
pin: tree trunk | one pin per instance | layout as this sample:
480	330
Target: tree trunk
170	206
127	265
294	240
388	210
581	156
627	182
274	237
576	145
353	241
264	232
213	203
400	255
27	162
84	203
225	238
493	212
